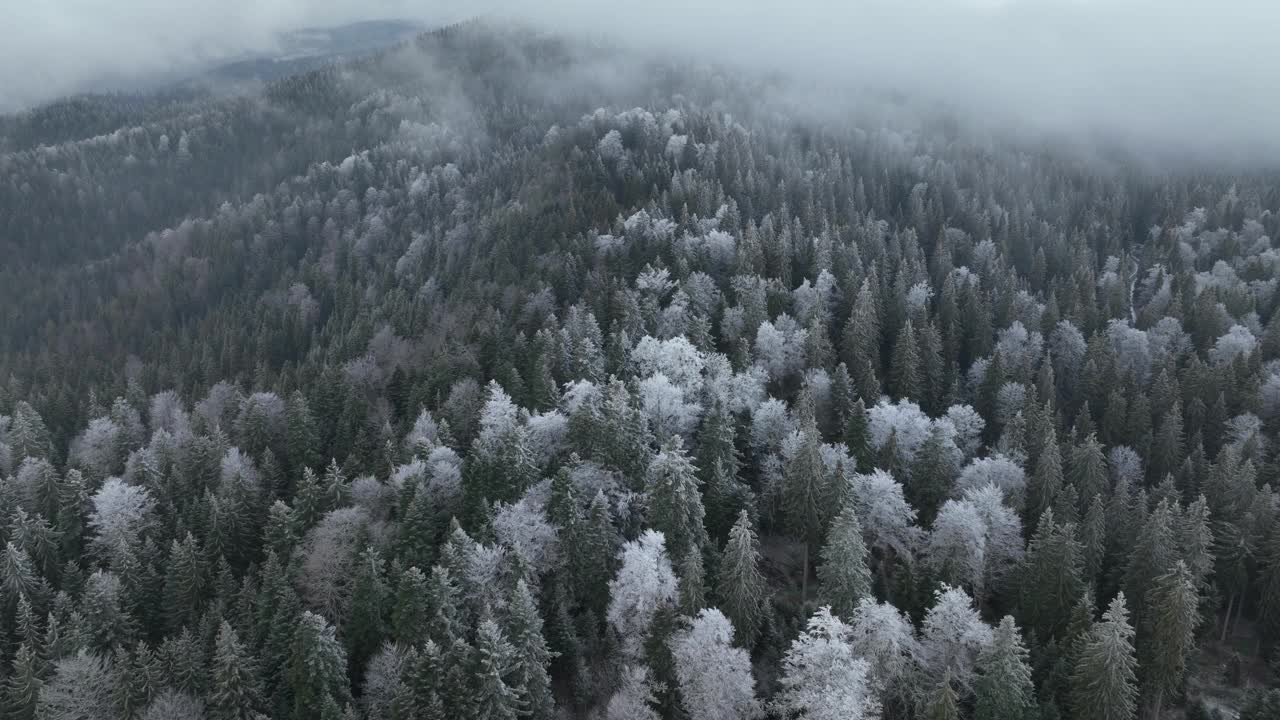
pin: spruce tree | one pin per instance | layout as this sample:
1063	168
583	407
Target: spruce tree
1004	688
22	686
1051	581
1169	634
740	586
904	371
1104	681
492	697
364	631
675	502
317	670
531	658
186	583
943	702
233	684
844	576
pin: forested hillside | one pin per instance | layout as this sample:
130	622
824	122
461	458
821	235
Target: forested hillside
501	375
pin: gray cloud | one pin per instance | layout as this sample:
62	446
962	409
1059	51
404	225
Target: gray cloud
1193	78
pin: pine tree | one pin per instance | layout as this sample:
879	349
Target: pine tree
1153	555
233	691
1104	681
317	670
740	586
943	703
675	502
186	583
932	475
1004	689
364	631
22	685
904	372
301	438
532	658
1169	634
493	698
805	490
1047	480
1089	470
844	575
409	615
857	436
1051	577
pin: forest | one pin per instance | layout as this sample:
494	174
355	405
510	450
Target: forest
504	375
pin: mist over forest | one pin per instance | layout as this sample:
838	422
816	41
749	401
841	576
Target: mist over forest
675	361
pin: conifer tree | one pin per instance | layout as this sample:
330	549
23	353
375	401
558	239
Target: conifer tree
904	371
740	586
1052	577
186	584
364	631
1004	689
1047	479
317	670
943	702
932	475
1169	634
493	698
22	685
233	684
806	494
844	574
1104	680
675	502
531	657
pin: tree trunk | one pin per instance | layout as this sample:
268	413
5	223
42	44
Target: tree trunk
1155	705
1226	619
804	582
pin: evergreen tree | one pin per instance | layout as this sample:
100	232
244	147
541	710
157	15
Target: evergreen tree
943	702
1169	634
1104	680
844	574
186	584
675	503
493	698
1052	577
364	631
1004	689
233	682
904	373
932	475
317	670
740	586
806	494
22	685
531	655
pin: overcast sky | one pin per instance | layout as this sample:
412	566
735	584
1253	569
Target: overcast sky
1199	75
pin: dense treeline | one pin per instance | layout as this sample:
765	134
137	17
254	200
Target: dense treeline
499	376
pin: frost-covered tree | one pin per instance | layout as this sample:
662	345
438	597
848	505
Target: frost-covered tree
645	582
79	688
317	671
885	637
822	678
674	500
741	587
952	637
714	675
634	698
1004	689
121	513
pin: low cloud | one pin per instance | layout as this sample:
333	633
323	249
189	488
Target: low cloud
1195	79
